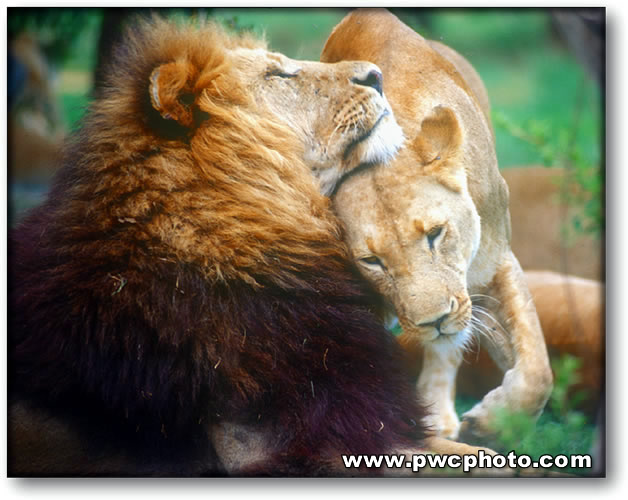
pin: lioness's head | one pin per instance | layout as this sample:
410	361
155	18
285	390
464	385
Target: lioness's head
413	230
338	111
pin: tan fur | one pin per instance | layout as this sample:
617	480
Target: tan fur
446	178
571	311
471	76
535	195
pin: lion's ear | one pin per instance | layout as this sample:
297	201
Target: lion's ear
437	145
170	90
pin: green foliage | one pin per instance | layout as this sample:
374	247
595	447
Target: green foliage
61	31
297	33
493	30
563	398
534	132
561	430
234	24
585	181
74	106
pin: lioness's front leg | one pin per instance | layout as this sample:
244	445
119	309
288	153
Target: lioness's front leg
527	381
437	387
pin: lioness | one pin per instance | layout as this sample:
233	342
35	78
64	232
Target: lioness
431	231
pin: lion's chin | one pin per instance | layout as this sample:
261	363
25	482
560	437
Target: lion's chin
382	142
378	145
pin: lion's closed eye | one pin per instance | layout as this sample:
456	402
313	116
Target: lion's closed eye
281	73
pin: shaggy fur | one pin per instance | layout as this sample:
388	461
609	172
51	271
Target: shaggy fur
187	274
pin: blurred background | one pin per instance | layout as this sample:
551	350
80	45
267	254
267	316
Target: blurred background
545	74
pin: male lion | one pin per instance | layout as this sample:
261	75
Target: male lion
183	303
431	231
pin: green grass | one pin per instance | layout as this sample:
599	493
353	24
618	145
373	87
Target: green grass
561	429
553	433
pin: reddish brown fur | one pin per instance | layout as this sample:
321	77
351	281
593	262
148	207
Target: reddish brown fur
183	277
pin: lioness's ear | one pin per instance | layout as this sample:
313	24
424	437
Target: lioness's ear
170	91
439	137
437	145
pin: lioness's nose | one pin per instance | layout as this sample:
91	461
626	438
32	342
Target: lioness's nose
453	307
436	324
372	79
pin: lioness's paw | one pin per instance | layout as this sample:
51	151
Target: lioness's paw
477	426
445	424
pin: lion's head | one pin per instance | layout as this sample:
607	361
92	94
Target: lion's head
416	247
338	112
202	110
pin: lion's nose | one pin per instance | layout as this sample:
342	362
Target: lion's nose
372	79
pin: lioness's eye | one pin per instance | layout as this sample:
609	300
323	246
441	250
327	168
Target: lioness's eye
433	234
372	261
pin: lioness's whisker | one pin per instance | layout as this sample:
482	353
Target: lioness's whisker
483	296
483	331
470	342
496	332
476	333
